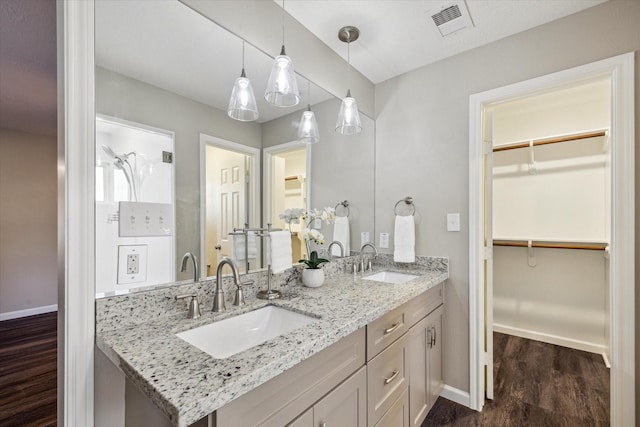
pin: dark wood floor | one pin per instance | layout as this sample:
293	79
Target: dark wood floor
28	367
536	384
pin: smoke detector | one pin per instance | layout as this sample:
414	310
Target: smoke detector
450	17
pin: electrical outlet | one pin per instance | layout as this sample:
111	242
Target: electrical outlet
317	223
133	263
384	240
364	237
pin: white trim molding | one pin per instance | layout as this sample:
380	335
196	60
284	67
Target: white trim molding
620	70
550	338
455	395
76	196
28	312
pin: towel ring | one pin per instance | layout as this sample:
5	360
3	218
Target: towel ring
344	204
408	201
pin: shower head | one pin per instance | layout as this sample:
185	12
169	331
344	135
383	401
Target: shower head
121	157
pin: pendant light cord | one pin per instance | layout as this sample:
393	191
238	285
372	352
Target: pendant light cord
243	54
283	11
349	65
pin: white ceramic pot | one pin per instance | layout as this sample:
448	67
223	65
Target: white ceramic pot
313	277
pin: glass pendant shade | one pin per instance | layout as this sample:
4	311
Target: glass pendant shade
242	104
282	88
348	118
308	128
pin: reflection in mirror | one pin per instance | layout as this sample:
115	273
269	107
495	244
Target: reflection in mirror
134	205
230	203
161	65
286	187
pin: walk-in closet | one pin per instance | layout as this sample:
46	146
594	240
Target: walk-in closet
551	218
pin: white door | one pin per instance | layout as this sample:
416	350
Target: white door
488	255
277	191
226	201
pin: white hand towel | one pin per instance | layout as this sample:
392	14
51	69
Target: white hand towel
404	239
239	244
280	252
341	234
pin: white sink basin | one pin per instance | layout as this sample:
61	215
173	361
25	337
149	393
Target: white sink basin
390	277
231	336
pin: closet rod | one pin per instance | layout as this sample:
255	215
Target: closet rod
552	245
554	140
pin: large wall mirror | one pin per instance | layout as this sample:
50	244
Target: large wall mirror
175	174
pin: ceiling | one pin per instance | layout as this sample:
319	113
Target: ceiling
397	36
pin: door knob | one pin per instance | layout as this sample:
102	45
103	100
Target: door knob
217	247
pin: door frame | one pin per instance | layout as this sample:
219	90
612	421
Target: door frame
254	215
620	69
267	153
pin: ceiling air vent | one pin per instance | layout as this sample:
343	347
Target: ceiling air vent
451	17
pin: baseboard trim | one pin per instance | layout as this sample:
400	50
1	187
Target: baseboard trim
28	312
456	395
550	339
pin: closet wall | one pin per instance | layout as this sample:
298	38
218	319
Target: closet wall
553	295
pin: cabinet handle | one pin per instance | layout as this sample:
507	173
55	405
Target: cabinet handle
323	425
435	336
392	377
429	337
391	328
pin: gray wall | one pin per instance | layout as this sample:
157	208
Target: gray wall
126	98
342	167
422	134
28	221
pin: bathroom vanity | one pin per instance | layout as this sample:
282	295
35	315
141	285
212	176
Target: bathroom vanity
372	356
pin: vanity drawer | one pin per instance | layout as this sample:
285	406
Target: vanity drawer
424	304
387	379
385	330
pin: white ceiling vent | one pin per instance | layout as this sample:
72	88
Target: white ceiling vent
451	17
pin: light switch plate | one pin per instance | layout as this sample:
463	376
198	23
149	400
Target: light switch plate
132	264
384	240
317	223
364	237
453	222
142	219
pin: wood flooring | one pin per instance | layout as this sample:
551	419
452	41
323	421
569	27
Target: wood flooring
28	371
536	384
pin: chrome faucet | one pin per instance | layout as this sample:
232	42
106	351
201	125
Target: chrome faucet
185	258
362	248
335	242
218	297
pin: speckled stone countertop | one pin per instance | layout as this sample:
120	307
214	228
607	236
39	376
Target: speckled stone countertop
188	384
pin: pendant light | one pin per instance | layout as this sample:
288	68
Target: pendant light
308	127
282	88
242	104
348	118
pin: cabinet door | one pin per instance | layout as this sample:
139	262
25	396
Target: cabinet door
417	353
398	414
304	420
346	405
435	356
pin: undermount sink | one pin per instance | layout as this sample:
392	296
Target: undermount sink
230	336
391	277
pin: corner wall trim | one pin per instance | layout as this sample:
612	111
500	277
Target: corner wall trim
456	395
28	312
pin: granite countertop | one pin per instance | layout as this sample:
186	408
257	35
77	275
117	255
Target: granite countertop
188	384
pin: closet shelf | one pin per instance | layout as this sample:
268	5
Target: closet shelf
554	140
594	246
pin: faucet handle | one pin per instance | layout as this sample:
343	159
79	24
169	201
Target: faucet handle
194	305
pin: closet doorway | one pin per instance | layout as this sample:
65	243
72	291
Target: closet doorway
551	221
286	168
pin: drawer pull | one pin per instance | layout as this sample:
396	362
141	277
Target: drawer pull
392	377
323	425
391	328
435	336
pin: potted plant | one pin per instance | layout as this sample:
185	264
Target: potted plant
313	274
